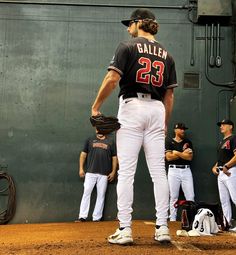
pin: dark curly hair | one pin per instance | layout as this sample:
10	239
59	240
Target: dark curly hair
150	26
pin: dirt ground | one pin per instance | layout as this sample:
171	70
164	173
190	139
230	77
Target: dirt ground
90	238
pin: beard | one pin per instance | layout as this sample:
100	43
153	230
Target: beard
134	34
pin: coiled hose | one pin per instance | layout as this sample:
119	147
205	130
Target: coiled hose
8	213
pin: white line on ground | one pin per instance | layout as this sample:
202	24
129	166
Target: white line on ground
149	223
185	246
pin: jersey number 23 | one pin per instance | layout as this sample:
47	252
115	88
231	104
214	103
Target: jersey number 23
145	75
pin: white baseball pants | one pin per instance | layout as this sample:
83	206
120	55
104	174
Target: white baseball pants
227	191
142	123
179	177
101	184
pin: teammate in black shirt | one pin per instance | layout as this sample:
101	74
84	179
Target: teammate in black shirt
225	168
146	75
98	164
179	154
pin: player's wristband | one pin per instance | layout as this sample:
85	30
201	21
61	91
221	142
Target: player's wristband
226	167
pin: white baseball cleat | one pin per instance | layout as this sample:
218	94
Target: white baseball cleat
232	229
162	234
122	237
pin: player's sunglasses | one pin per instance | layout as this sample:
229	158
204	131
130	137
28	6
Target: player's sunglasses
132	21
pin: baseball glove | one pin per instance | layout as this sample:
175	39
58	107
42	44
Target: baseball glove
105	125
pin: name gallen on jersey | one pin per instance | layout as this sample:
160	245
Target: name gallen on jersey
152	50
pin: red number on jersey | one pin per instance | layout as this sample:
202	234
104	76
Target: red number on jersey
143	74
158	79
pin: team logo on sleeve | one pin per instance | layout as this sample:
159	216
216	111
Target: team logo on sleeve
112	60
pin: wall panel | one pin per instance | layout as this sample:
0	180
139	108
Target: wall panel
52	61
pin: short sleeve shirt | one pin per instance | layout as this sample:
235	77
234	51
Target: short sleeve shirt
171	145
145	66
226	150
99	155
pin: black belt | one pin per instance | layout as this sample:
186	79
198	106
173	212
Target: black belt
134	94
180	166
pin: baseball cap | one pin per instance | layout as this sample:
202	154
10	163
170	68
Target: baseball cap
225	121
180	126
141	13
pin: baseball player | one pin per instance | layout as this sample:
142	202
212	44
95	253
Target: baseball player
146	75
179	154
99	155
225	168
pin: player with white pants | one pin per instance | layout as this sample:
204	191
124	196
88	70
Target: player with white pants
89	183
225	168
146	75
179	154
137	131
98	164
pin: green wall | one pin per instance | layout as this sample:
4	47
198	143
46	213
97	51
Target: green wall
52	61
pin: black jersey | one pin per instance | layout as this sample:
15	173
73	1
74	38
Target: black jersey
99	155
171	145
145	66
226	150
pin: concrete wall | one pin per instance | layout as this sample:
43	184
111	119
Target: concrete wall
52	61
